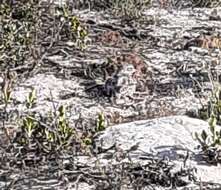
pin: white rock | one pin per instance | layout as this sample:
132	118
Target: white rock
170	136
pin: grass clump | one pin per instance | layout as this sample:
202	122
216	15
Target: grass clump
210	142
72	27
48	134
53	133
41	138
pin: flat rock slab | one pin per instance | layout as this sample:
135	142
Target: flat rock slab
168	136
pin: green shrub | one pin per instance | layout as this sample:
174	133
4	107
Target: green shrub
17	32
72	27
211	142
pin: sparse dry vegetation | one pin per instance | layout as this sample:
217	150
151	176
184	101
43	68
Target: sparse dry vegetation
33	30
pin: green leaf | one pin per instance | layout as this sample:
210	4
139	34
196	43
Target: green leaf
219	105
61	110
31	98
87	141
198	139
204	135
212	124
100	126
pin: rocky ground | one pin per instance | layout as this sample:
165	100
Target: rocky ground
159	64
167	43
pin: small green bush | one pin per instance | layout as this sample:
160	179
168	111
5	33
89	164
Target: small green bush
17	32
72	27
211	142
